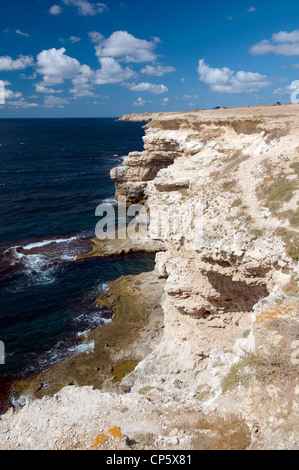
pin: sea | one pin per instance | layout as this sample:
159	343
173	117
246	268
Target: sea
54	173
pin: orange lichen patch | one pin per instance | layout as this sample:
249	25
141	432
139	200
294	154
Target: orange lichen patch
274	311
99	440
116	433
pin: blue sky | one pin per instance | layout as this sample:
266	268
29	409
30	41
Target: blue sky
84	58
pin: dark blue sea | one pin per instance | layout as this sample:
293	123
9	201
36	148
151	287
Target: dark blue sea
54	173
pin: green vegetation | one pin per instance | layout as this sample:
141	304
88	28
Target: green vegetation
291	240
265	367
257	232
184	192
145	390
295	167
237	202
246	333
292	216
281	190
203	392
124	369
235	377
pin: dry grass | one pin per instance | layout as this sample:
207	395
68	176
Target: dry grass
146	439
265	367
292	288
257	232
226	433
229	185
295	167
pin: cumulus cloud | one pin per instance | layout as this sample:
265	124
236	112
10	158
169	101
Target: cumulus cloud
95	37
18	31
140	102
42	87
10	95
55	65
165	101
288	90
51	101
281	43
21	63
124	46
227	81
112	72
158	70
149	87
22	104
86	8
251	9
83	83
55	10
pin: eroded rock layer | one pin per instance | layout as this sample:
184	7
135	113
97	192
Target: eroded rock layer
221	192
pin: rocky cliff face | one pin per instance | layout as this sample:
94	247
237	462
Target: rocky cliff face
240	168
221	190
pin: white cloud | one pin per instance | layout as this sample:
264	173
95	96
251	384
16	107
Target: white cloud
83	83
22	34
10	95
22	104
281	43
21	63
149	87
51	101
189	97
251	9
28	77
86	8
288	90
227	81
74	39
42	87
230	18
165	101
158	70
140	102
55	10
95	37
124	46
112	72
55	65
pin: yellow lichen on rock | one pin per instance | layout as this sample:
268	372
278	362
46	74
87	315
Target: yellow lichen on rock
274	311
99	440
116	433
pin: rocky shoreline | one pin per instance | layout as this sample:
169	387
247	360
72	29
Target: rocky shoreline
205	345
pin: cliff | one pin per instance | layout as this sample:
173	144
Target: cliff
221	189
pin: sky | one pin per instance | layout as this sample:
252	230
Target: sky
84	58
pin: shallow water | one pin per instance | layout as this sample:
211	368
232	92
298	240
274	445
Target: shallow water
54	173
